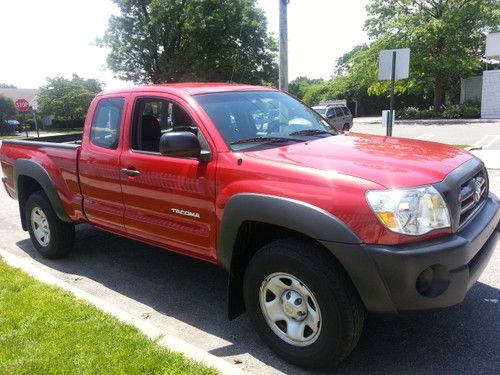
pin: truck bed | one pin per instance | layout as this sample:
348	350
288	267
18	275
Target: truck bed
62	141
57	155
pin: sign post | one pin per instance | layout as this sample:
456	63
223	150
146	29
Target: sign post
34	108
22	105
393	64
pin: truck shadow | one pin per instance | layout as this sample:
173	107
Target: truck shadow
461	339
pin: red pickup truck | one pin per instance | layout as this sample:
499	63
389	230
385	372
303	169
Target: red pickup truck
313	226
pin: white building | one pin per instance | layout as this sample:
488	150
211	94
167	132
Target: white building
490	96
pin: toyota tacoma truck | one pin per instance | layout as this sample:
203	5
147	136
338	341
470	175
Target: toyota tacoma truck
314	227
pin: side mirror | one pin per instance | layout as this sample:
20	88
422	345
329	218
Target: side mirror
180	144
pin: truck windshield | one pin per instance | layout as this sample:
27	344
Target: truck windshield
250	119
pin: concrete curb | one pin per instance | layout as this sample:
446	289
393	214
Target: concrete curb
166	341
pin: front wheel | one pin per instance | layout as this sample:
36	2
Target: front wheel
52	237
302	303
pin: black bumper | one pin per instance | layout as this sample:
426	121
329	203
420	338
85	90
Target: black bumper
386	276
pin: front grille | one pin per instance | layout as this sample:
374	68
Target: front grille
472	193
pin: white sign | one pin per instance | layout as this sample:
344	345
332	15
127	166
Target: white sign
493	46
402	64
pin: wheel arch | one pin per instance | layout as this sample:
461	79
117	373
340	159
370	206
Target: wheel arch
252	220
30	177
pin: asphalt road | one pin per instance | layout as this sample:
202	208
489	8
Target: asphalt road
478	133
187	298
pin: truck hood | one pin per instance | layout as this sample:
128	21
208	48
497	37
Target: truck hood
388	161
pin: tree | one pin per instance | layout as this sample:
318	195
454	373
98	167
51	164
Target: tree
347	60
7	107
300	85
157	41
7	86
67	100
446	37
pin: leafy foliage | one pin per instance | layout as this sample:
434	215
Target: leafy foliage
155	41
68	100
300	85
446	38
7	86
7	107
466	110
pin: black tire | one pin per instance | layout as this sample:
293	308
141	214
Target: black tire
341	311
61	234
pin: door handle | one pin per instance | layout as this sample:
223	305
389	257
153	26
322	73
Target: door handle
130	172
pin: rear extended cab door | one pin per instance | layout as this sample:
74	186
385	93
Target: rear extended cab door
169	201
99	163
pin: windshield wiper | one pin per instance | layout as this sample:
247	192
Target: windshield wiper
266	140
312	132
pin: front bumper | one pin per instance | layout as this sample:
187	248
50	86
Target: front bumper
386	276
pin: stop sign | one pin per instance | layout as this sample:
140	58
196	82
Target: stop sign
22	105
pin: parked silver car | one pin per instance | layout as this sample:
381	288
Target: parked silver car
337	115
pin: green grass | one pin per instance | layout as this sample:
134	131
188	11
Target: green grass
44	330
462	146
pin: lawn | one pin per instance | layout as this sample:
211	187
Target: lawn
44	330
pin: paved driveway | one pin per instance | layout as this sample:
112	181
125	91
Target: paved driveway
479	133
187	298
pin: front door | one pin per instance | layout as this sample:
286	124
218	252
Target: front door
168	200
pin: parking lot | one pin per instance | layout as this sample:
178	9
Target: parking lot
483	134
187	298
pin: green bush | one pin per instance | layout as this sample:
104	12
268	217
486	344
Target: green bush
6	129
465	110
426	113
453	111
415	113
471	111
407	113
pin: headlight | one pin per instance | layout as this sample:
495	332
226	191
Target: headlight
412	211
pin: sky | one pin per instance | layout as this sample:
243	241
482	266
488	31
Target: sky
47	38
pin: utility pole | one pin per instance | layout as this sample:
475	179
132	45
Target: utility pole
283	45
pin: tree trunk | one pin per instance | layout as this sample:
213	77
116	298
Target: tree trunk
438	92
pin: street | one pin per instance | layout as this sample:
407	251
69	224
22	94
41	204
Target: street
187	298
475	132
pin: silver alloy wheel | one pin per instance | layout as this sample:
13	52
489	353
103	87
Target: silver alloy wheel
40	226
290	309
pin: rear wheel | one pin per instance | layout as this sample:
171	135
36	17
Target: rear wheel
52	237
346	127
302	303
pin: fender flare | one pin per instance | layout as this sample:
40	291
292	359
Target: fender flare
29	168
292	214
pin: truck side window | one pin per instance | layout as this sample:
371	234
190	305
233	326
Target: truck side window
105	130
154	117
338	112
